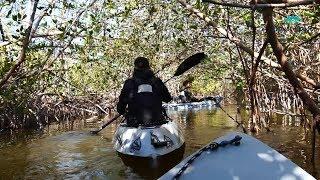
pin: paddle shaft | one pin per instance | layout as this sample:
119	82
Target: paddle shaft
109	122
106	124
169	79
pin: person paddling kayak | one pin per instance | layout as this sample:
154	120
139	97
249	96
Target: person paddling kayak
143	94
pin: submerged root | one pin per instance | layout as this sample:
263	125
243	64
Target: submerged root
49	108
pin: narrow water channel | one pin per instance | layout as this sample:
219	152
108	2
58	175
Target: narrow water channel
69	151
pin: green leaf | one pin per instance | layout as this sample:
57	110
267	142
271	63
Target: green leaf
193	26
93	18
111	5
61	28
179	26
309	14
9	13
315	21
15	17
152	10
181	42
198	4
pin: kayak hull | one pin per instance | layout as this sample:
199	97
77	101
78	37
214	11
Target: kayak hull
252	159
155	148
153	167
151	141
194	105
131	160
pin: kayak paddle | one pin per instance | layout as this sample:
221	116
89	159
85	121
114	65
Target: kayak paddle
188	64
105	125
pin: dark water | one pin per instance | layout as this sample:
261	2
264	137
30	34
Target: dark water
68	151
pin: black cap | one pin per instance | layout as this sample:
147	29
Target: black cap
141	63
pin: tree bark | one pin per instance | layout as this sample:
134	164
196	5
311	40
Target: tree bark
285	64
287	68
2	32
25	44
252	90
278	51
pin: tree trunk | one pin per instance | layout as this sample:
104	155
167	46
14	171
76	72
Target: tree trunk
292	77
25	44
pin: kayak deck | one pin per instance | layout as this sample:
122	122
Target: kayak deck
148	141
150	150
252	159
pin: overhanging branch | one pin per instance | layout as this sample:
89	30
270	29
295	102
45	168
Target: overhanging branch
25	44
261	5
233	39
224	32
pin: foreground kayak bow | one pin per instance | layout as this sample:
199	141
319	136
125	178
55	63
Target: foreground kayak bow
210	147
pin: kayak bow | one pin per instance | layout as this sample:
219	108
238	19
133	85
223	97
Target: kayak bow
250	160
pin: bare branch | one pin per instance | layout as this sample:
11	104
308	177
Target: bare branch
261	5
310	39
1	31
25	44
37	22
287	68
224	32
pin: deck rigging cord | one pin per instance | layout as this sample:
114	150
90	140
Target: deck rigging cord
210	147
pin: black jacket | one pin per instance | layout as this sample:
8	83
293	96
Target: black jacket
128	96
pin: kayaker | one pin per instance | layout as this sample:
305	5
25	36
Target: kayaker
185	96
143	93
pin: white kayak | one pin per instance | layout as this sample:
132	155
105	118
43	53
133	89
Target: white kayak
149	144
251	160
194	105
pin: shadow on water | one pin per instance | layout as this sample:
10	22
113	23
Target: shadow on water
67	150
154	167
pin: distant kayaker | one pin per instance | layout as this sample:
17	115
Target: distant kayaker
143	94
185	95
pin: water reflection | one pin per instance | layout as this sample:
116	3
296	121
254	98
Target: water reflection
68	150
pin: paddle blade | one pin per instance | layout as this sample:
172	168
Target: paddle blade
189	63
95	131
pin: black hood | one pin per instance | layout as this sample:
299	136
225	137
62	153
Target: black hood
143	74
